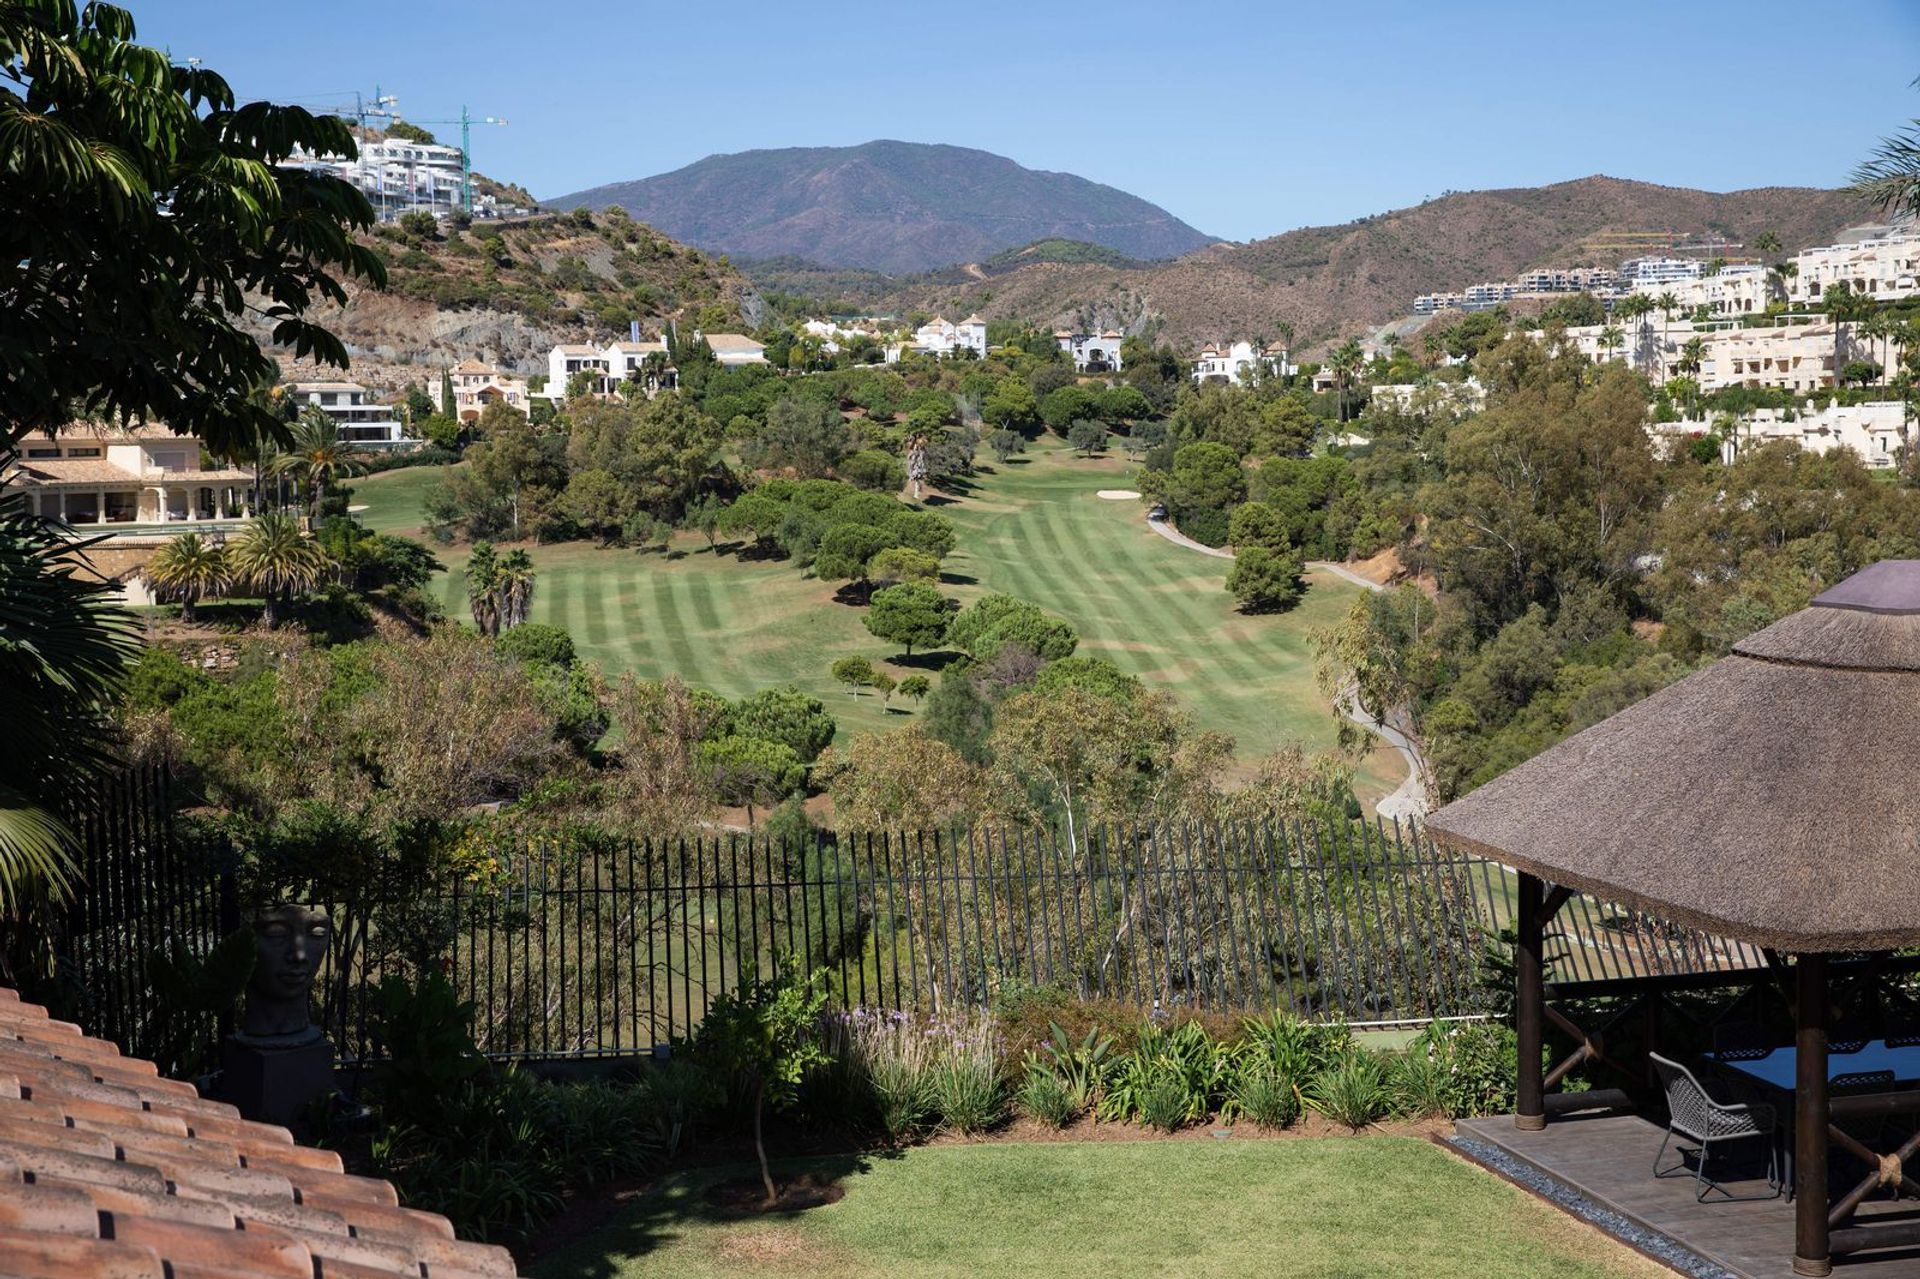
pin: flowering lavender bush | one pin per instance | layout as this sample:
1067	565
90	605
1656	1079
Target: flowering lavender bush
891	1058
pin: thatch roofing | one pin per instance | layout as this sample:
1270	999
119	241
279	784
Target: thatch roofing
1769	798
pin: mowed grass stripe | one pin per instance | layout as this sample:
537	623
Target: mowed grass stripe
1034	531
671	617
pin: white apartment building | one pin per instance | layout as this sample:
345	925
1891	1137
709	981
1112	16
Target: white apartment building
944	339
1794	357
1484	297
1651	273
1740	288
1434	303
1883	269
1877	430
1091	352
361	421
1232	363
1576	279
128	481
397	176
475	386
833	335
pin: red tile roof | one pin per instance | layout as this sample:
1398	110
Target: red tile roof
109	1170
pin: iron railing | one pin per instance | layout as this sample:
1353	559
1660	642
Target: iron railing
571	951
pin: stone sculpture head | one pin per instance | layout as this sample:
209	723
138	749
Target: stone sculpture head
290	942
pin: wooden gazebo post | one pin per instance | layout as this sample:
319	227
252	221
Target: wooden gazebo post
1812	1253
1530	1007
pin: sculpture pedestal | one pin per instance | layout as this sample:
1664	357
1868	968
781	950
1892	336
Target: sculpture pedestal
275	1083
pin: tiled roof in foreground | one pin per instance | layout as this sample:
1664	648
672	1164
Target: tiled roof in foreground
107	1169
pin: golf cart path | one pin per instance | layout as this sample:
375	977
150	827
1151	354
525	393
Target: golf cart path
1409	799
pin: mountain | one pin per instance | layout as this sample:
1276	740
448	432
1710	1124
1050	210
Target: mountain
896	207
1333	281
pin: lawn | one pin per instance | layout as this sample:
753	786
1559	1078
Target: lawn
1033	528
1322	1207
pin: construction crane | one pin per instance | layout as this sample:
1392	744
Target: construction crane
466	123
382	106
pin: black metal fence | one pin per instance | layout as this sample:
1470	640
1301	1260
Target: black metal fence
575	950
580	954
144	895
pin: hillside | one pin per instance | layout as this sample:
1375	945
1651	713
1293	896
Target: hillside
1330	281
508	291
886	206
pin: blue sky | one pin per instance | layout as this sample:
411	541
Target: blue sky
1245	120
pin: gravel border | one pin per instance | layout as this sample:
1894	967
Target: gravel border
1660	1247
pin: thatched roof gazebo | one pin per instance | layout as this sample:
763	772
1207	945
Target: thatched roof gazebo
1769	798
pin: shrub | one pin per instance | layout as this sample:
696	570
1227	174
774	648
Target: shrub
536	642
1044	1096
1481	1060
1353	1093
1263	1094
891	1059
1298	1049
1185	1064
965	1078
767	1035
1166	1102
1420	1084
873	470
1206	525
683	1093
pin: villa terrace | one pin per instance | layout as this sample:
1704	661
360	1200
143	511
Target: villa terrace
129	482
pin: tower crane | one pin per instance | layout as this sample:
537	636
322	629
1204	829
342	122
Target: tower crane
466	123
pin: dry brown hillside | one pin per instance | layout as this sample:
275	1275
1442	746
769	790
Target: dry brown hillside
1330	281
507	291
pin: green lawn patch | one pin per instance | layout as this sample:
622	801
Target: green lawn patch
1321	1207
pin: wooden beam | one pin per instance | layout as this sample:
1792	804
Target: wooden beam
1812	1245
1529	1114
1852	1200
1713	980
1557	897
1893	1234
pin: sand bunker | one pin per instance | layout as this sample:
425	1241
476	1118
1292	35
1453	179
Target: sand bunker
1118	495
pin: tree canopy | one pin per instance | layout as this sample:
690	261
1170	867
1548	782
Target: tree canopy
145	218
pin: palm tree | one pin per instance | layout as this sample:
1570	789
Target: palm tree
319	456
1891	177
1692	356
1611	339
187	568
63	649
483	588
1345	362
1842	304
1668	304
514	588
275	558
1880	326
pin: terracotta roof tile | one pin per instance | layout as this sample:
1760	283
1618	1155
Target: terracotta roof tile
44	1256
109	1170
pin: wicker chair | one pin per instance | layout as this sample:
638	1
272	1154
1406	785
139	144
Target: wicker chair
1694	1116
